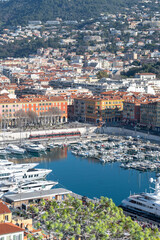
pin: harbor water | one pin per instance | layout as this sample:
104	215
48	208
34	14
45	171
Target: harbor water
90	177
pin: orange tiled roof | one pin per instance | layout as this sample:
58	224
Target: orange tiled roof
6	228
3	208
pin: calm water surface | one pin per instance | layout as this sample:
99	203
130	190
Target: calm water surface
89	177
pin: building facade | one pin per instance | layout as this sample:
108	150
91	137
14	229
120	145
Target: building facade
5	213
35	110
150	115
98	109
131	112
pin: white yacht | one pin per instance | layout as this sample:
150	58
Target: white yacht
3	152
35	148
15	149
5	163
147	204
42	148
22	173
37	185
7	186
28	186
36	173
11	171
22	166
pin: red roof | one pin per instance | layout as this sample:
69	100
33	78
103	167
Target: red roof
6	228
146	74
4	208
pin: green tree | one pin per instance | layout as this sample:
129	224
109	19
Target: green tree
102	74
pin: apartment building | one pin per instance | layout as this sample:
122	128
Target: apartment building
39	109
150	114
131	111
96	109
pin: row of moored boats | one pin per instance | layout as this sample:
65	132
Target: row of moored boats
25	177
132	153
27	147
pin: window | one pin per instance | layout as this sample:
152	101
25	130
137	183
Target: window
6	218
8	238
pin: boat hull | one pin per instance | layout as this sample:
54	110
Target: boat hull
132	211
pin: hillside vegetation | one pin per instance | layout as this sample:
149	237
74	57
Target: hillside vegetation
20	11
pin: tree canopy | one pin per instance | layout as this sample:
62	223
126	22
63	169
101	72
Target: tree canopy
15	12
73	218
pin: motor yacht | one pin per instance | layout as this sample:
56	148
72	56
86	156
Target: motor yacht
16	187
146	204
22	173
35	148
27	186
3	152
7	186
15	149
22	166
5	163
36	173
40	146
37	185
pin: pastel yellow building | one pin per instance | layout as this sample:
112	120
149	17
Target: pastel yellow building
96	109
5	213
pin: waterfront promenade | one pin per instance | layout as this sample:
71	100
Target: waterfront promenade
20	135
88	132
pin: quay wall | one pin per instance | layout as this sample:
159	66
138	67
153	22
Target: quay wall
13	136
126	132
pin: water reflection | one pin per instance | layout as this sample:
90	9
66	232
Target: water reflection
89	176
52	155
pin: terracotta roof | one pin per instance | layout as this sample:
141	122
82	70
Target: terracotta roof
146	74
4	208
6	228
